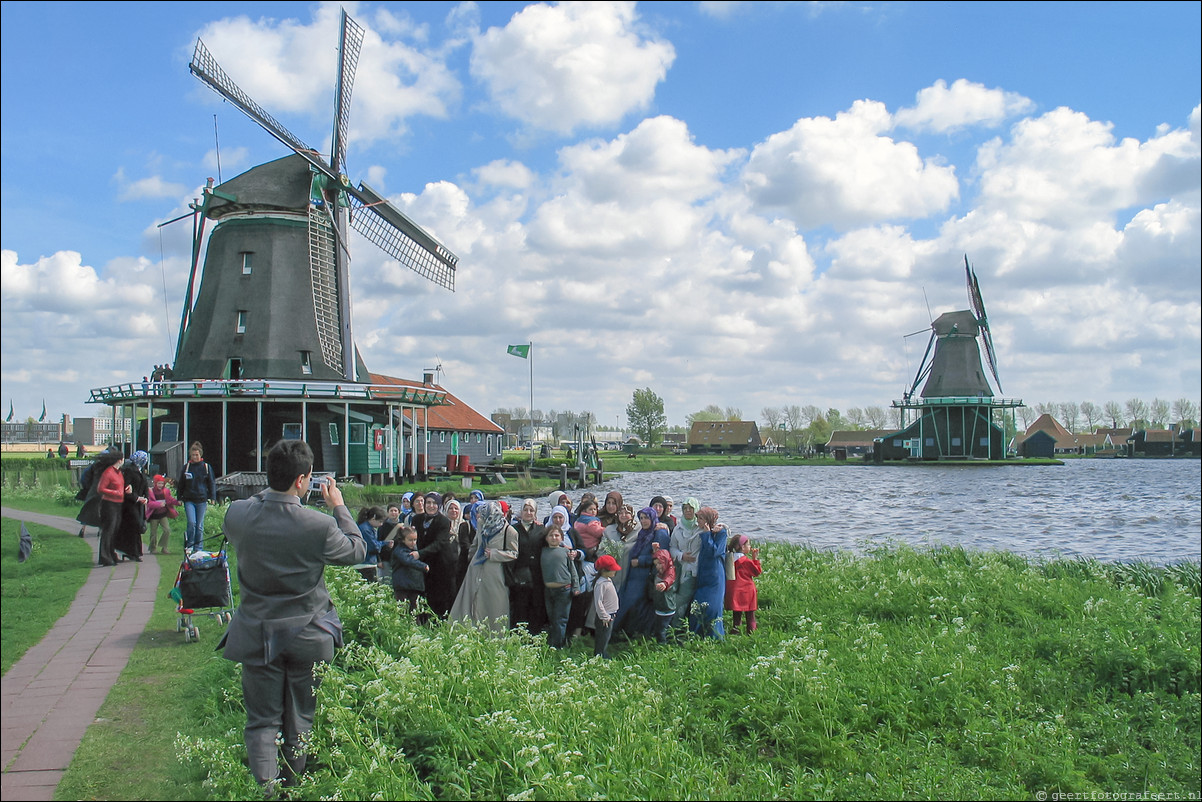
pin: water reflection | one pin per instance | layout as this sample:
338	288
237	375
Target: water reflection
1107	509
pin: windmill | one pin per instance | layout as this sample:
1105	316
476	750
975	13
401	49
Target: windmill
951	365
274	298
956	415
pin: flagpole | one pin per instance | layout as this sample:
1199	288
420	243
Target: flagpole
531	403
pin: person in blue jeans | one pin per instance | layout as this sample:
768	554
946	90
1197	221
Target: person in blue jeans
561	583
196	488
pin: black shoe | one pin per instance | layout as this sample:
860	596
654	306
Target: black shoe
135	558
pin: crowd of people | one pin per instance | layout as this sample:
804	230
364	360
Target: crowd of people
593	567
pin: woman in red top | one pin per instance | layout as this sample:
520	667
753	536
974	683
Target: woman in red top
112	489
741	594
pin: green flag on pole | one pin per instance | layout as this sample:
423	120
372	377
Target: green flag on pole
519	350
43	411
10	412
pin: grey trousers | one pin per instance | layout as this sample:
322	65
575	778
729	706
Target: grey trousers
280	698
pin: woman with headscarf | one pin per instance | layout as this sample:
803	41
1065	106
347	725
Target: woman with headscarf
484	598
618	539
110	494
636	614
439	549
526	603
663	509
685	549
462	531
127	540
710	593
558	498
609	510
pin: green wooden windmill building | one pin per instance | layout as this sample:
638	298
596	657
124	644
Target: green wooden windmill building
266	347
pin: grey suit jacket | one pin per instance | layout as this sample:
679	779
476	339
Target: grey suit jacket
282	549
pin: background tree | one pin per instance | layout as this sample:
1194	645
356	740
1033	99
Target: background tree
1028	415
1070	415
1046	408
794	423
1158	413
1137	413
772	417
1185	412
712	412
855	418
1113	411
645	415
876	417
732	413
1092	413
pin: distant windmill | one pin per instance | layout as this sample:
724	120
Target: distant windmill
274	299
951	365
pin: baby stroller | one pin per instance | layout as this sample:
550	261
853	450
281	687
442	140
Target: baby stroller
203	581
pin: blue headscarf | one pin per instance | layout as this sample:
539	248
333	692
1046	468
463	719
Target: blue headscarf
140	458
645	535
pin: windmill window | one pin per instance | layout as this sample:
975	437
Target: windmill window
292	431
955	441
306	363
241	328
357	434
334	434
247	262
478	438
442	437
985	441
930	441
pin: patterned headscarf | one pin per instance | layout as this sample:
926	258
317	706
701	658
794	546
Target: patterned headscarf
492	523
140	458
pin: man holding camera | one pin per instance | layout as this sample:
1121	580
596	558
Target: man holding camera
285	622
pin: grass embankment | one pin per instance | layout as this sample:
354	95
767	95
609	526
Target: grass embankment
38	592
896	675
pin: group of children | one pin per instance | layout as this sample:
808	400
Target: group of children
574	572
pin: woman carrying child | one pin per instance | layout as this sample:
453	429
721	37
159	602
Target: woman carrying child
408	572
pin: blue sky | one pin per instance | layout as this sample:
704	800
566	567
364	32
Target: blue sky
738	204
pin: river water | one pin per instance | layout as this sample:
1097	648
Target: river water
1111	510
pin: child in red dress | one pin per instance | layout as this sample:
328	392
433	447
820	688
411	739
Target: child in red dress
741	594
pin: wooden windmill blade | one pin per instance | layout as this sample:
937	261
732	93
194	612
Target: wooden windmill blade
350	42
206	68
978	309
401	238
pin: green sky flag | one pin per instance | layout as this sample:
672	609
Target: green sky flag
43	412
10	412
519	350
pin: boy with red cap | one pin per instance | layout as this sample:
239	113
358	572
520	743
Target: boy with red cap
605	603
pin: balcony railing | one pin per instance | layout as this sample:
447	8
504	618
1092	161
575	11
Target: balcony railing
218	389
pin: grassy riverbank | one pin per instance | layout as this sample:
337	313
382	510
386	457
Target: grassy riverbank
899	674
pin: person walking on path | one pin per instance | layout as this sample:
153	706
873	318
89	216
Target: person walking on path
52	694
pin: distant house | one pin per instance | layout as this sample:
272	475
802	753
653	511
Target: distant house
855	443
1064	441
731	436
1153	442
1036	444
675	440
451	430
1189	441
1095	443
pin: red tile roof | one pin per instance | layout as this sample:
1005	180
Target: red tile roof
456	416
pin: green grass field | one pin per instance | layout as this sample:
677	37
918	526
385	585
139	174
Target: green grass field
899	674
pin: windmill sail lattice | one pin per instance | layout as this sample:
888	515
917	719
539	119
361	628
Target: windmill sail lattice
269	216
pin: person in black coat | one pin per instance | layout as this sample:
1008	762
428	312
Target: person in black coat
438	547
128	538
526	603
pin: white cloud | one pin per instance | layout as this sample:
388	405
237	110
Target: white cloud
1064	169
570	66
845	173
943	109
150	187
289	68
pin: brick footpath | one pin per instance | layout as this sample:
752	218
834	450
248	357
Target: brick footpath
51	695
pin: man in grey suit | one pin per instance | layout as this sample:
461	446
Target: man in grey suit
285	622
